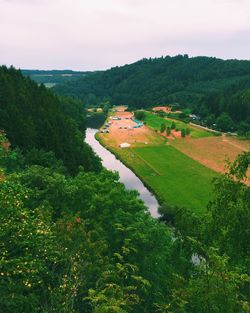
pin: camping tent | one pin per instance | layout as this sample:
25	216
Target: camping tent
124	145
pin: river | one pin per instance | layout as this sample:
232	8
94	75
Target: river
127	177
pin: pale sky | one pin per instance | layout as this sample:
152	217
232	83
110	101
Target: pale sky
99	34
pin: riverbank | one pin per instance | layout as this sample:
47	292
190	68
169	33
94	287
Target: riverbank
173	177
127	177
128	164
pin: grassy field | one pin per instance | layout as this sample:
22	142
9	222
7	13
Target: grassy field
174	177
155	122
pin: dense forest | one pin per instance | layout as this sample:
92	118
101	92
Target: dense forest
207	86
33	118
73	239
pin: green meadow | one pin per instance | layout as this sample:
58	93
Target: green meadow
174	177
155	121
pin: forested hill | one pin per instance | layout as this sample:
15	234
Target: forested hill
33	117
187	81
157	81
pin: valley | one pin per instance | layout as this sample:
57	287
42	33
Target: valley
178	170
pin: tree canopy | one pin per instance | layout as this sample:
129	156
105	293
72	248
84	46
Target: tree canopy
208	86
33	117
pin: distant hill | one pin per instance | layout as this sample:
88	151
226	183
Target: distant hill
53	77
157	81
208	86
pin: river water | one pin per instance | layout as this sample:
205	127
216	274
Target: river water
127	177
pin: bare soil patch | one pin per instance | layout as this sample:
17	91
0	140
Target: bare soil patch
176	134
121	108
213	151
121	131
129	135
161	108
124	115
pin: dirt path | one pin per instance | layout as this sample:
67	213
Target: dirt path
205	128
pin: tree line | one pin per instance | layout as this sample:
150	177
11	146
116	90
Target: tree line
208	86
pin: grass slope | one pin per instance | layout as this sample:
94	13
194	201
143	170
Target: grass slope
175	177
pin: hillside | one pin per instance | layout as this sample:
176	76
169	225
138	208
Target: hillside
206	86
33	117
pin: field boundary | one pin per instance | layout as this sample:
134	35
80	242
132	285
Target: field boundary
146	162
114	152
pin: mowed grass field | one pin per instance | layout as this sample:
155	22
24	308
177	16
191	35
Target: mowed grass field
155	121
174	177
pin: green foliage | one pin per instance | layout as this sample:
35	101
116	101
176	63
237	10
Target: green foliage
224	122
213	287
163	128
173	125
96	120
161	113
183	133
203	85
140	115
88	217
33	117
229	212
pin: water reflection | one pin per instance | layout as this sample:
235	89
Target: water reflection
127	177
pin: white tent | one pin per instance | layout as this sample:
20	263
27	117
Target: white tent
124	145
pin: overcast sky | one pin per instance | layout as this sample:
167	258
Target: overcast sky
99	34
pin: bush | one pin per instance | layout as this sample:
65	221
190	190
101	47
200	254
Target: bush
173	125
140	115
163	128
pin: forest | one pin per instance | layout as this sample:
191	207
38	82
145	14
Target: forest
33	117
209	87
74	240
